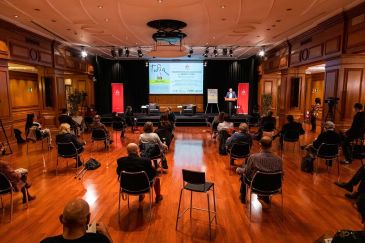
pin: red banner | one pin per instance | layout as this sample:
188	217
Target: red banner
117	97
242	101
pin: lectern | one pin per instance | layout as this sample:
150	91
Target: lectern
230	104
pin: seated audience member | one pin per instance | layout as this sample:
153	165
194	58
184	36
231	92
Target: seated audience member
18	179
291	126
328	136
164	130
118	123
98	125
225	125
65	136
129	117
134	163
170	116
33	128
239	137
357	179
148	139
266	124
225	129
64	117
89	116
75	220
217	119
264	161
356	131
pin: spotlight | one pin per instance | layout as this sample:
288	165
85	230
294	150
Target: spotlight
139	51
83	52
126	52
191	51
215	52
231	52
205	63
224	51
261	53
146	63
120	52
206	52
113	52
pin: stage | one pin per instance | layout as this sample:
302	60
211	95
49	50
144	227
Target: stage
199	119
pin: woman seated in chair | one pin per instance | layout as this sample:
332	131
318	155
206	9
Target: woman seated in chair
164	131
129	117
34	131
18	179
65	136
98	125
148	137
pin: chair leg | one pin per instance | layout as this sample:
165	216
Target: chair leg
57	165
11	206
250	204
119	201
191	203
215	208
210	230
338	169
26	197
178	209
150	205
128	200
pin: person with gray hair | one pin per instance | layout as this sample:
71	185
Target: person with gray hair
239	137
328	136
75	220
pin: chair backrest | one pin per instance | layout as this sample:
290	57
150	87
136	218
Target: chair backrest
291	135
193	177
240	149
267	182
98	134
326	150
5	184
134	182
150	150
66	150
117	125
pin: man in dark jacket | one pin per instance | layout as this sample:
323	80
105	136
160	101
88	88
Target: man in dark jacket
134	163
239	137
357	130
292	128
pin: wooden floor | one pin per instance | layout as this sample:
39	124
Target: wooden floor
313	205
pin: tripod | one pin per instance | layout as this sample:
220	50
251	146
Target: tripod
6	137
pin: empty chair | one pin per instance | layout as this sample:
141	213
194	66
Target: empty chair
118	126
189	109
67	151
100	135
290	136
135	184
194	181
239	151
266	184
328	152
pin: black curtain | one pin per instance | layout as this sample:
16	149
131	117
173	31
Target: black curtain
133	74
223	75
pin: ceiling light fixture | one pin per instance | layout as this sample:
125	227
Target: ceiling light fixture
223	6
215	52
146	63
37	9
224	51
262	52
206	52
231	52
106	20
113	52
100	6
159	1
191	51
120	52
16	16
126	52
83	52
205	63
139	51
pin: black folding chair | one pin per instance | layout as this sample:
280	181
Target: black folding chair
290	136
99	135
39	137
7	188
239	151
118	126
135	184
67	151
194	181
266	184
328	152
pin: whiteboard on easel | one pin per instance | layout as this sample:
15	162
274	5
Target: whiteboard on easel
212	96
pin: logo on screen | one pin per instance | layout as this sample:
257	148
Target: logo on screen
117	92
187	67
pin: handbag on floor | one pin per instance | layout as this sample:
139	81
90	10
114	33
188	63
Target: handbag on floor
92	164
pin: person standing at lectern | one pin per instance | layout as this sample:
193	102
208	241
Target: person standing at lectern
230	95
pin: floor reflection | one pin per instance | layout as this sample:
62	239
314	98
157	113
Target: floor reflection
189	153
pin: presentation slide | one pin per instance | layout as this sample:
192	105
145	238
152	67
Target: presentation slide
176	77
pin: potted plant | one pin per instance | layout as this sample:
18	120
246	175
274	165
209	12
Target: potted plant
266	103
75	99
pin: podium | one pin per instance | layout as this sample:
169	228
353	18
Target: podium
230	104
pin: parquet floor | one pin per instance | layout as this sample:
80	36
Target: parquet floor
313	205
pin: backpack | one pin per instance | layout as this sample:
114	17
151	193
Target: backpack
307	164
92	164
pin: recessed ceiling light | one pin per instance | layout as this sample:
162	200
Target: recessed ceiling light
288	9
100	6
16	16
37	9
257	36
53	20
278	20
213	37
68	29
106	20
207	43
273	25
223	19
223	6
159	1
268	29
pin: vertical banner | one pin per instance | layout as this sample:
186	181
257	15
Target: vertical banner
117	97
242	101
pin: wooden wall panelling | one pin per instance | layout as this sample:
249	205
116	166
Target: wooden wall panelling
5	109
4	50
351	90
355	29
27	53
24	90
61	93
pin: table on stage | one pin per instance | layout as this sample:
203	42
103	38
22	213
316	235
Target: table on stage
230	104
